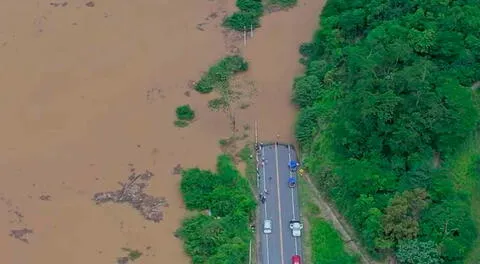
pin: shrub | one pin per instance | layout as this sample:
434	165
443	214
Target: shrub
181	123
185	112
251	6
242	20
220	73
224	236
217	104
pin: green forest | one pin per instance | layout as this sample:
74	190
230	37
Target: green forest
387	105
223	236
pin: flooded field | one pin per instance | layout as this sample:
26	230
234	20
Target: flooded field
88	92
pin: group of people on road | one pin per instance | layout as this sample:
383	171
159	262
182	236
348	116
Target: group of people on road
258	150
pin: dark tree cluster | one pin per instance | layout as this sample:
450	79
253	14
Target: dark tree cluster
387	97
248	15
223	236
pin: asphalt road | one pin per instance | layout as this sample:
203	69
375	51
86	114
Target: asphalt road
281	205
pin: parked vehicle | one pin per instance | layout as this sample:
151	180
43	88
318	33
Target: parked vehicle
292	182
296	259
296	227
293	165
267	226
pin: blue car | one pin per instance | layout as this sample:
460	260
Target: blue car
292	182
293	165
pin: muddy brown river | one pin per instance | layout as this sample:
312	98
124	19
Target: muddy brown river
88	91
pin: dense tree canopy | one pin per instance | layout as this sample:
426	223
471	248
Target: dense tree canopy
385	98
222	237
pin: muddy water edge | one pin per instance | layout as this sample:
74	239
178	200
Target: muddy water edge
88	92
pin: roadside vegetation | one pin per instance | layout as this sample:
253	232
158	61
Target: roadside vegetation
246	154
387	106
327	247
321	241
185	114
219	232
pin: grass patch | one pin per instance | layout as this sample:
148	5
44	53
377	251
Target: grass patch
181	123
185	113
309	211
225	142
244	105
327	246
219	74
464	170
217	104
311	214
133	254
246	154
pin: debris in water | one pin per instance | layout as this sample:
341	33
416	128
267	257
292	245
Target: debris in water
45	197
133	194
90	4
63	4
21	233
122	260
177	169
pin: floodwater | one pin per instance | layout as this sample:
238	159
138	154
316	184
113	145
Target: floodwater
87	88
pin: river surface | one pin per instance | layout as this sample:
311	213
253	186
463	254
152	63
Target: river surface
87	88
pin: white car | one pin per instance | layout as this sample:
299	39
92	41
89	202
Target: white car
267	226
296	227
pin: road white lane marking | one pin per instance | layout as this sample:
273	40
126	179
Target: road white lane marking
268	251
293	199
265	205
291	175
293	206
279	206
289	155
296	247
264	174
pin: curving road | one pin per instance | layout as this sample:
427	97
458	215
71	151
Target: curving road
281	205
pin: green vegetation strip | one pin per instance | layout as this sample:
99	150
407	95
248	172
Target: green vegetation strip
327	247
282	3
246	154
386	104
218	75
224	236
250	12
